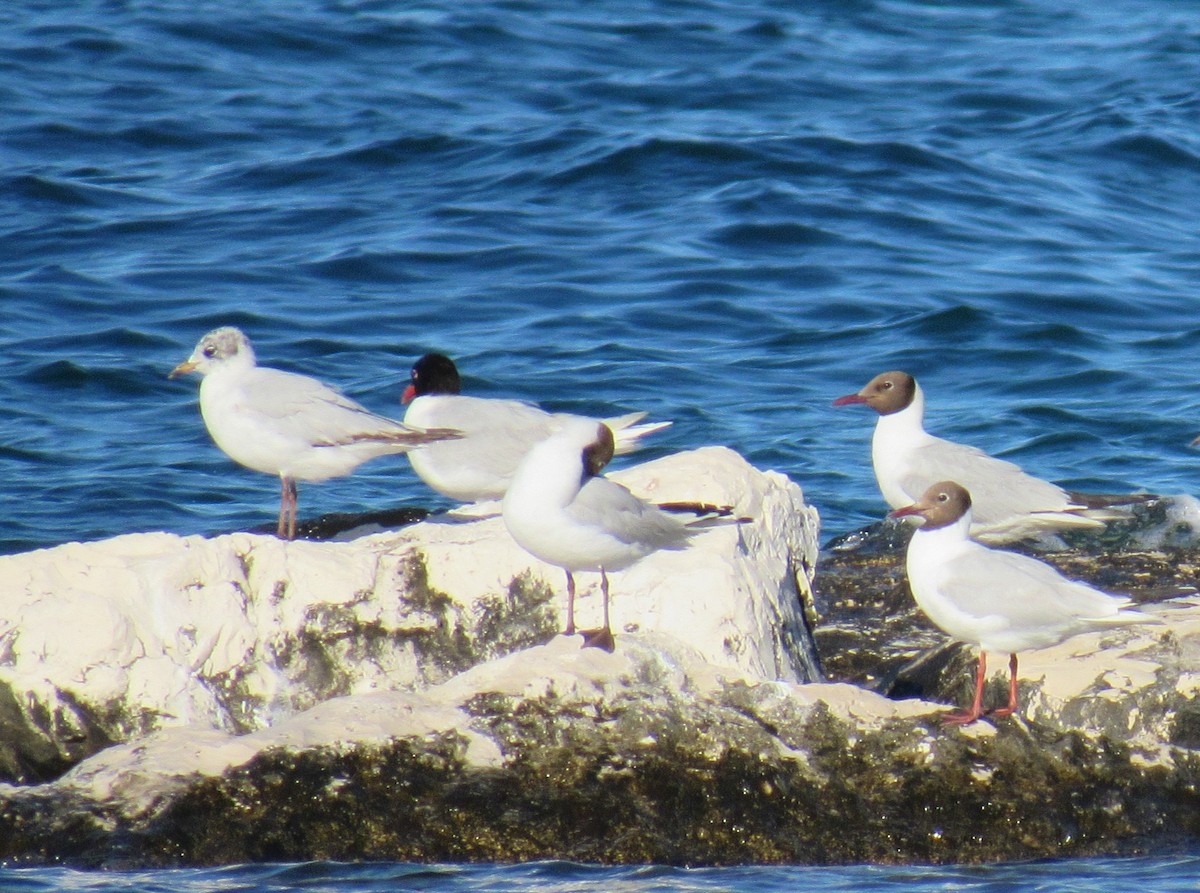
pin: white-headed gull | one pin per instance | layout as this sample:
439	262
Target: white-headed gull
287	424
496	433
1009	504
996	600
559	509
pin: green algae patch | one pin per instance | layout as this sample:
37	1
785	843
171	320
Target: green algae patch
457	639
681	781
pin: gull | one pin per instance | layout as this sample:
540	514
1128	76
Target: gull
560	510
995	600
496	433
287	424
1009	504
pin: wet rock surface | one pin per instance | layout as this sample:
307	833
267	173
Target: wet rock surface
665	752
870	632
627	769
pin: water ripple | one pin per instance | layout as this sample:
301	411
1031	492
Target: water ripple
725	213
1166	873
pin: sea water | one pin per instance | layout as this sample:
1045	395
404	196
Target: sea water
1163	874
726	214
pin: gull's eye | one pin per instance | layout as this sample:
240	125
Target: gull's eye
888	385
210	351
943	497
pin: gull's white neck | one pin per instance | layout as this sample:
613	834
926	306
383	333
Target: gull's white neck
232	367
929	548
548	478
222	386
896	435
906	422
933	556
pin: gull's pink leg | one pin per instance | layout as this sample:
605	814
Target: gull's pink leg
281	527
295	508
570	630
602	637
288	497
976	711
1012	690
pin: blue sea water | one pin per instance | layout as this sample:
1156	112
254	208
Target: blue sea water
1166	874
724	213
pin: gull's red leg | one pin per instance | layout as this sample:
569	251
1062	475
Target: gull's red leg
1012	690
602	637
976	711
570	630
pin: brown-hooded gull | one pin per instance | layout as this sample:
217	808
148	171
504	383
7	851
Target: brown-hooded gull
996	600
1009	504
559	509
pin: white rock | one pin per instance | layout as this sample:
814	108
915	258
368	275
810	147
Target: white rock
238	632
1119	680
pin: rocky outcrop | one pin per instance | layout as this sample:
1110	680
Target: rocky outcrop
653	754
106	642
871	633
411	701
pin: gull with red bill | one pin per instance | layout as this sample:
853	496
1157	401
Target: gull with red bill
993	599
1009	504
496	433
